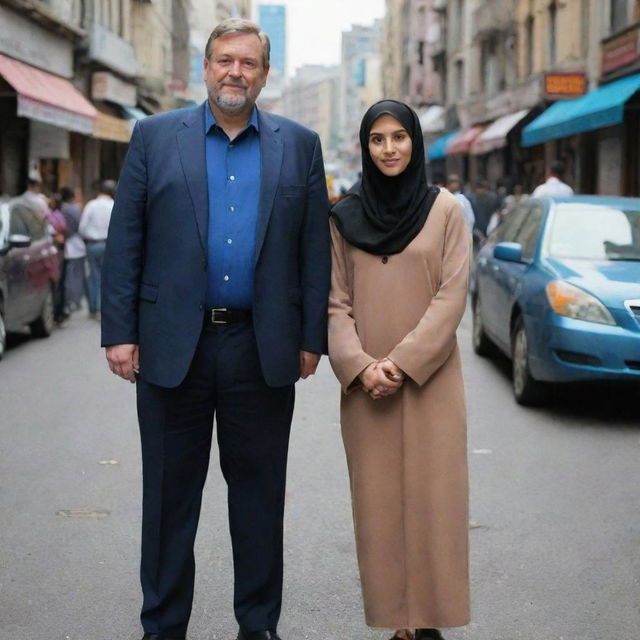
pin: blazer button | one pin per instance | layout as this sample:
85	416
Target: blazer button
385	259
201	307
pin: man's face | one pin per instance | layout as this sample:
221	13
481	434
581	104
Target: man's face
234	72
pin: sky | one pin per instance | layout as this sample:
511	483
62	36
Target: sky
315	26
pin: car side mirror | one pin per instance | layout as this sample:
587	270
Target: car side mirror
508	251
18	241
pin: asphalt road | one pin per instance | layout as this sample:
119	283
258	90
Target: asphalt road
554	505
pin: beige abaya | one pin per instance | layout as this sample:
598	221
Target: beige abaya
406	453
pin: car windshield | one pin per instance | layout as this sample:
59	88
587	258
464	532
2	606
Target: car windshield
594	232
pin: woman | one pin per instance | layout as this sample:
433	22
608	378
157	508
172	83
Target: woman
399	285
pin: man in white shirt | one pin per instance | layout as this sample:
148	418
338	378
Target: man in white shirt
94	226
35	199
554	187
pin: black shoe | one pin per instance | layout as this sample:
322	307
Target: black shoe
266	634
428	634
156	636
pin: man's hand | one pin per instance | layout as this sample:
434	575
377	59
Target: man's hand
123	360
308	363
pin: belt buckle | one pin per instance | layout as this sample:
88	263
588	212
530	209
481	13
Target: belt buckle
213	316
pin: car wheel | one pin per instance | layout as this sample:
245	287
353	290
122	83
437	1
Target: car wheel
479	339
43	325
527	390
3	334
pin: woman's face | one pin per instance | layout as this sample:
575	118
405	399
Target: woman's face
390	145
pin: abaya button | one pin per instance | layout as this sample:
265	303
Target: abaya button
385	259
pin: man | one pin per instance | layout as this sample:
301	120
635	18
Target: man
215	289
34	198
554	186
94	226
485	203
454	185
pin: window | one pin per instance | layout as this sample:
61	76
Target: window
528	45
553	19
459	79
529	231
619	15
506	231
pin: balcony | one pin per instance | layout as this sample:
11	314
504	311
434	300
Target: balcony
493	16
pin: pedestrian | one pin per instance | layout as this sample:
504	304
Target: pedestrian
554	186
34	197
485	204
215	288
75	252
94	226
398	292
57	228
452	183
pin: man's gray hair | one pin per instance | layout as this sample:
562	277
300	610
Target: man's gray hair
240	25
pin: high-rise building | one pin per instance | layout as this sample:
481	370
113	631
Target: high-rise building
273	20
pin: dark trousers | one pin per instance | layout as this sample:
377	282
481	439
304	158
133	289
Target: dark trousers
253	423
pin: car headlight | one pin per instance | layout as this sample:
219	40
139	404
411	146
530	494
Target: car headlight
568	300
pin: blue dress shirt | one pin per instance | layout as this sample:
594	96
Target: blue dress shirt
233	177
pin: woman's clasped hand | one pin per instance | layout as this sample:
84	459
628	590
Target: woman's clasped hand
382	378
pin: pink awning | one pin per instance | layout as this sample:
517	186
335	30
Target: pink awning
48	98
463	141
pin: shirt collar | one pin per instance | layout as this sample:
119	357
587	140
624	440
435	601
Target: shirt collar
210	119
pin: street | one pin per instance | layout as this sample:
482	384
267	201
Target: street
555	509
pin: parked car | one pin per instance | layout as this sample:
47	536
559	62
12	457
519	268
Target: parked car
29	270
556	287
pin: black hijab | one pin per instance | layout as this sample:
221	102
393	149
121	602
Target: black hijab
382	214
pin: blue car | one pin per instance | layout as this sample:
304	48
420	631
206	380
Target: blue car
556	287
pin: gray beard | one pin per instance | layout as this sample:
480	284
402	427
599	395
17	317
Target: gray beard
231	105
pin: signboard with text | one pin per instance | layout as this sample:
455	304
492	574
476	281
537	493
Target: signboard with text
564	85
621	50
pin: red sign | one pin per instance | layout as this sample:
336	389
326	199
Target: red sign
620	51
565	84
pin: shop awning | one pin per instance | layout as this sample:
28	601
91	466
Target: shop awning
603	107
108	127
432	119
437	149
495	135
463	141
48	98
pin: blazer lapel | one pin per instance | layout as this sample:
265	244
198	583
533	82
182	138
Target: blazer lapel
190	138
271	153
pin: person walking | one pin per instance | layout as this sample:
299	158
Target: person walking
214	299
94	226
554	186
57	228
75	252
400	255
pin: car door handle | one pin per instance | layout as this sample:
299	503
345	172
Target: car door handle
26	257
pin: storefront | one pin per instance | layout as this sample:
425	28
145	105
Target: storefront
598	131
40	109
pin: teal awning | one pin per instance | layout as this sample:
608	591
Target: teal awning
603	107
437	149
133	113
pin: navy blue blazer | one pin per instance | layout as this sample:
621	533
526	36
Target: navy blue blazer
155	270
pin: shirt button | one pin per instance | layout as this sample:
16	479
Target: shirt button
232	208
385	259
226	278
232	177
229	241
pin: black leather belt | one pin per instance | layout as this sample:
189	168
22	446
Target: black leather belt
226	316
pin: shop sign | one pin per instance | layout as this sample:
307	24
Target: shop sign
112	51
28	42
106	86
621	50
569	85
47	141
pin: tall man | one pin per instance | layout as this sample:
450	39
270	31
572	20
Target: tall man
94	226
215	289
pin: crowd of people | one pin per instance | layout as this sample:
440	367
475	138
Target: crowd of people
80	234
